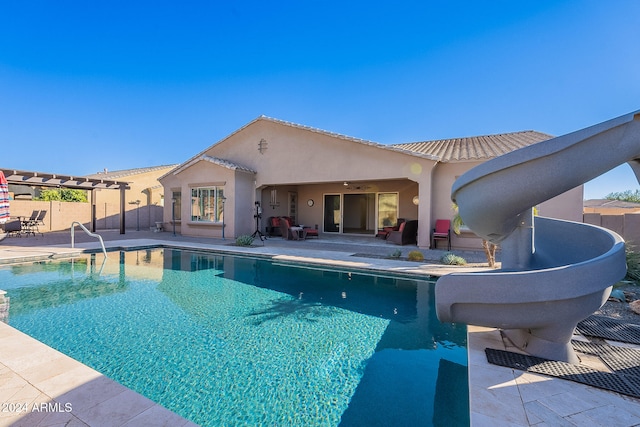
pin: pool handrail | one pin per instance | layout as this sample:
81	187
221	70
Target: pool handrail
74	223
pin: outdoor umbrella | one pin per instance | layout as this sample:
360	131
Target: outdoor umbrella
4	199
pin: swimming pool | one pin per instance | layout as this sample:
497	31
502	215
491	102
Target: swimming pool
230	340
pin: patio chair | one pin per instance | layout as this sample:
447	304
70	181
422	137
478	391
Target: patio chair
407	233
291	231
442	231
273	226
384	232
34	225
41	215
285	229
28	224
311	232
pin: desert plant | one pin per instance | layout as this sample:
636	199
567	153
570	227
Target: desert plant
244	240
450	258
488	247
633	264
415	256
396	254
490	252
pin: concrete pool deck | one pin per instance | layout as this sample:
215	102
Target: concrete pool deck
33	375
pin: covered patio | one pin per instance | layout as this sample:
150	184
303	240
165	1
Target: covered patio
342	208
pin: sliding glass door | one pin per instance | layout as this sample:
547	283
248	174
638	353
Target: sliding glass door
361	213
332	213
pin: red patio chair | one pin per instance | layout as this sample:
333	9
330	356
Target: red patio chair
273	227
442	231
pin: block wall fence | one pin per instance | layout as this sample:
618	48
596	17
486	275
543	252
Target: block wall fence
626	225
60	215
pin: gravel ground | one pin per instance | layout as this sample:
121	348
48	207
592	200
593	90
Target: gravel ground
620	310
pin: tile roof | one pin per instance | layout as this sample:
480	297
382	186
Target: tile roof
475	147
446	150
127	172
215	160
607	203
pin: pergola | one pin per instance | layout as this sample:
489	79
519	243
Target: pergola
44	179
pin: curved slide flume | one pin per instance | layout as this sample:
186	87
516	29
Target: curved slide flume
554	273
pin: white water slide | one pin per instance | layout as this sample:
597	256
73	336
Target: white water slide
554	273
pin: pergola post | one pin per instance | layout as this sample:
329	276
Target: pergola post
93	210
122	208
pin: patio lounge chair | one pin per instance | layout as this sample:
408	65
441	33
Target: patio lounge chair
407	233
311	232
442	231
41	215
34	226
28	224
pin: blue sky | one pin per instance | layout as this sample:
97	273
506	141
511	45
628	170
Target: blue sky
91	85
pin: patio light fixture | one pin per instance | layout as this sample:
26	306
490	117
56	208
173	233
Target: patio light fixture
262	146
273	202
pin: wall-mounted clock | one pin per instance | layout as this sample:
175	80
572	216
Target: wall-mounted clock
310	202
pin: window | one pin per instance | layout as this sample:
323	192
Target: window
176	198
387	210
206	204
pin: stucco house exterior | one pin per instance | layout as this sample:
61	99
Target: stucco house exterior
337	183
144	198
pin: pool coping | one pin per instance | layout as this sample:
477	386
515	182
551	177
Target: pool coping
497	395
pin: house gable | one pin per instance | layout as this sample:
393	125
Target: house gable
284	153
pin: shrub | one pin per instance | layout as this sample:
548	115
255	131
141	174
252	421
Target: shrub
64	195
396	254
633	264
452	259
244	240
415	256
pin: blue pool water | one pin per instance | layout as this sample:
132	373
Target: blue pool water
227	340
